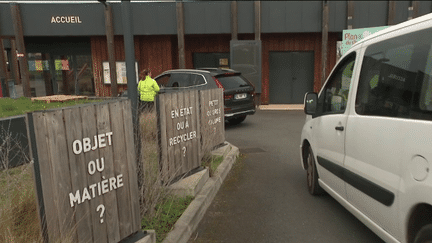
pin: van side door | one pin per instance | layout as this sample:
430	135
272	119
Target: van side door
388	144
329	126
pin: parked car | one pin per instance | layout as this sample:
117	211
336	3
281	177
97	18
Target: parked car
367	136
239	93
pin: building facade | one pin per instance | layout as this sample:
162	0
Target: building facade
62	48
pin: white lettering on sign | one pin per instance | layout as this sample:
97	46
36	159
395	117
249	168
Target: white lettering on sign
214	113
65	20
97	189
215	121
213	102
399	78
181	112
182	138
182	125
86	144
93	166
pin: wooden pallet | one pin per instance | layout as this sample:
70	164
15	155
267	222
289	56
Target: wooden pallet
59	98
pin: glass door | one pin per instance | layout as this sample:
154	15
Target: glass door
39	74
60	74
84	75
63	74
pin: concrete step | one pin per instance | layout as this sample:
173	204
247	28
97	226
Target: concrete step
192	185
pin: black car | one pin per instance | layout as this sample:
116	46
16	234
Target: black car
239	93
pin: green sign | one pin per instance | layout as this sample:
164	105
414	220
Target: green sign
350	37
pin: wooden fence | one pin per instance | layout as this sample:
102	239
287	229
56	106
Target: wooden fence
182	118
85	171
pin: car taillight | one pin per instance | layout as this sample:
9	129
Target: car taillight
228	97
218	83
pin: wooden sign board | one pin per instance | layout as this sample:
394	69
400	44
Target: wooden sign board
212	118
180	135
85	172
188	121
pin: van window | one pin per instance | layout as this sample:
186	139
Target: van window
395	78
334	96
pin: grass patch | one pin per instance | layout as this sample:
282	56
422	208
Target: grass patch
215	162
22	105
159	208
168	212
212	162
19	221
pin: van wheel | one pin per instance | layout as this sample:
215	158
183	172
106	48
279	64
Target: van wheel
312	175
424	235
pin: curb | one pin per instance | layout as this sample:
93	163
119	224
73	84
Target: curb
188	222
147	236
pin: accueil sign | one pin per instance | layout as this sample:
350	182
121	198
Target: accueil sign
66	20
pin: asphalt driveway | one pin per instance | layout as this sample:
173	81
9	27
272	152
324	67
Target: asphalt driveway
264	197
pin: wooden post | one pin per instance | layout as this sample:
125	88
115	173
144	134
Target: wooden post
234	21
180	34
391	12
109	28
257	7
14	64
22	58
350	14
3	70
324	41
415	9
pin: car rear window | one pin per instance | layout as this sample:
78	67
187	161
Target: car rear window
233	82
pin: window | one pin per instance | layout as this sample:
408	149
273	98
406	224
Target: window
179	80
163	81
233	81
334	96
395	78
197	79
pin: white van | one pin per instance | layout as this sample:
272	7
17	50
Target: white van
367	139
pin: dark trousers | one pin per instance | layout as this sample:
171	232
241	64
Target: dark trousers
145	106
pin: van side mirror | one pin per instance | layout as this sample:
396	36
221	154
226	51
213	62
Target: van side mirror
310	103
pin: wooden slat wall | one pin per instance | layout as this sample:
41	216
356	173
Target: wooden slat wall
154	52
178	159
159	53
78	168
270	42
212	124
63	172
205	44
